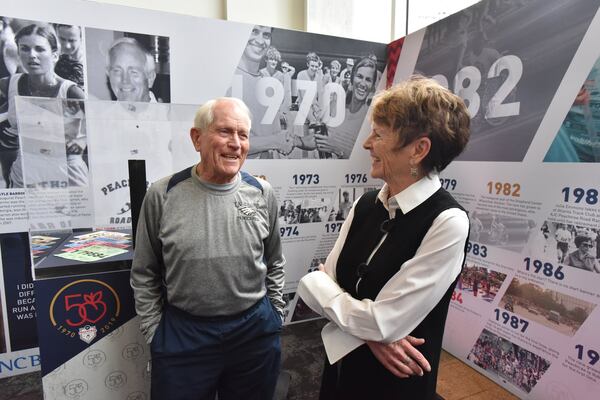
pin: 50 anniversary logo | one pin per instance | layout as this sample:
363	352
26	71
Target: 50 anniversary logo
84	307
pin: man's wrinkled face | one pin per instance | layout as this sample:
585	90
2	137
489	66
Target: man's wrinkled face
224	145
127	74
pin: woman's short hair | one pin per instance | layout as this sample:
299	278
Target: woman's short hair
312	56
45	31
273	54
205	115
422	107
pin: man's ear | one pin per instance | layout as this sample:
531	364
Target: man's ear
195	136
151	78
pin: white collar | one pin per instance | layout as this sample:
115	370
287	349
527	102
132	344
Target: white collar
410	197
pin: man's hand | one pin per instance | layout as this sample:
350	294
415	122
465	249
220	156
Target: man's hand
284	143
400	357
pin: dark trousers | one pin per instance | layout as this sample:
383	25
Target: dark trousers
237	357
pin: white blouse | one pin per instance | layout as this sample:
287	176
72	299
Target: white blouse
407	298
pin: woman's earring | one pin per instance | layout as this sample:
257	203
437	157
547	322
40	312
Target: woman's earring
414	172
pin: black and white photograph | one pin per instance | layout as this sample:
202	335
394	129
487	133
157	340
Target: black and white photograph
567	244
54	141
506	60
127	66
309	94
512	363
499	230
558	311
39	59
346	198
304	211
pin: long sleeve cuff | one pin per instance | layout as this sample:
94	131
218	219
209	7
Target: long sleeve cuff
338	343
317	289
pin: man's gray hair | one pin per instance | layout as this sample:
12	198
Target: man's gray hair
205	114
149	67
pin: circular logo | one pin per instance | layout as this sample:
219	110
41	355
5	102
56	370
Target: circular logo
76	388
94	359
115	380
85	308
132	351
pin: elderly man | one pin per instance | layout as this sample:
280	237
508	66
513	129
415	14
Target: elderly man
131	71
208	269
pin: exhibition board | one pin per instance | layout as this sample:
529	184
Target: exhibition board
524	311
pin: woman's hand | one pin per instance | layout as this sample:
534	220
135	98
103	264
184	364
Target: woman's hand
401	358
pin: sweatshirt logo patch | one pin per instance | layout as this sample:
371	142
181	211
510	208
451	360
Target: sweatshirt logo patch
246	210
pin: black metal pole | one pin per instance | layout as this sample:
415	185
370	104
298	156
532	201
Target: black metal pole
137	190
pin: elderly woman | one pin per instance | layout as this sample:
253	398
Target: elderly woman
394	266
38	50
583	257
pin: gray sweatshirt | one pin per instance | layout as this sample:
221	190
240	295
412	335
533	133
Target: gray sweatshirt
216	249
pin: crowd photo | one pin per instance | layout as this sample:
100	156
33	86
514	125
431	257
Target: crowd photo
497	355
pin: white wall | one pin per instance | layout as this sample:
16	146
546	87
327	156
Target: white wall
374	20
288	14
358	19
278	13
198	8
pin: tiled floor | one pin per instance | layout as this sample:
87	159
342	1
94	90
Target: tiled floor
458	381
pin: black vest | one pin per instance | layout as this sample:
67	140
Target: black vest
406	232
